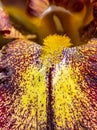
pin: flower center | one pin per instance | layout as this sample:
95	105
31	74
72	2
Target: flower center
55	42
53	46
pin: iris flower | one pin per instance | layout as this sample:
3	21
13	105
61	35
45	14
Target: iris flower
47	82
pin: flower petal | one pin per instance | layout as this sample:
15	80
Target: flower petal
36	7
5	25
17	60
6	28
34	96
75	88
13	34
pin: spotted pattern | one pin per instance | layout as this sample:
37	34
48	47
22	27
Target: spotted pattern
35	96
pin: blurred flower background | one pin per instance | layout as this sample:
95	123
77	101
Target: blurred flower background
37	19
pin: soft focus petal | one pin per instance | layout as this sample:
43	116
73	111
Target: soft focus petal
76	6
15	3
36	7
5	25
95	11
14	34
66	17
6	28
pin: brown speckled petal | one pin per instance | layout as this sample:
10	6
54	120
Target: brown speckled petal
61	97
19	61
74	89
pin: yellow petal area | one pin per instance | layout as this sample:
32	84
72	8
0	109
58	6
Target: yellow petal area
34	85
33	99
68	98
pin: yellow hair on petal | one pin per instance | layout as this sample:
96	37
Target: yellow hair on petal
56	42
53	47
34	93
68	96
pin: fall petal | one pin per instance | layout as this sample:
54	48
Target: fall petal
32	95
21	97
74	89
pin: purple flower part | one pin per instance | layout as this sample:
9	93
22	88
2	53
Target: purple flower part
36	7
5	25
